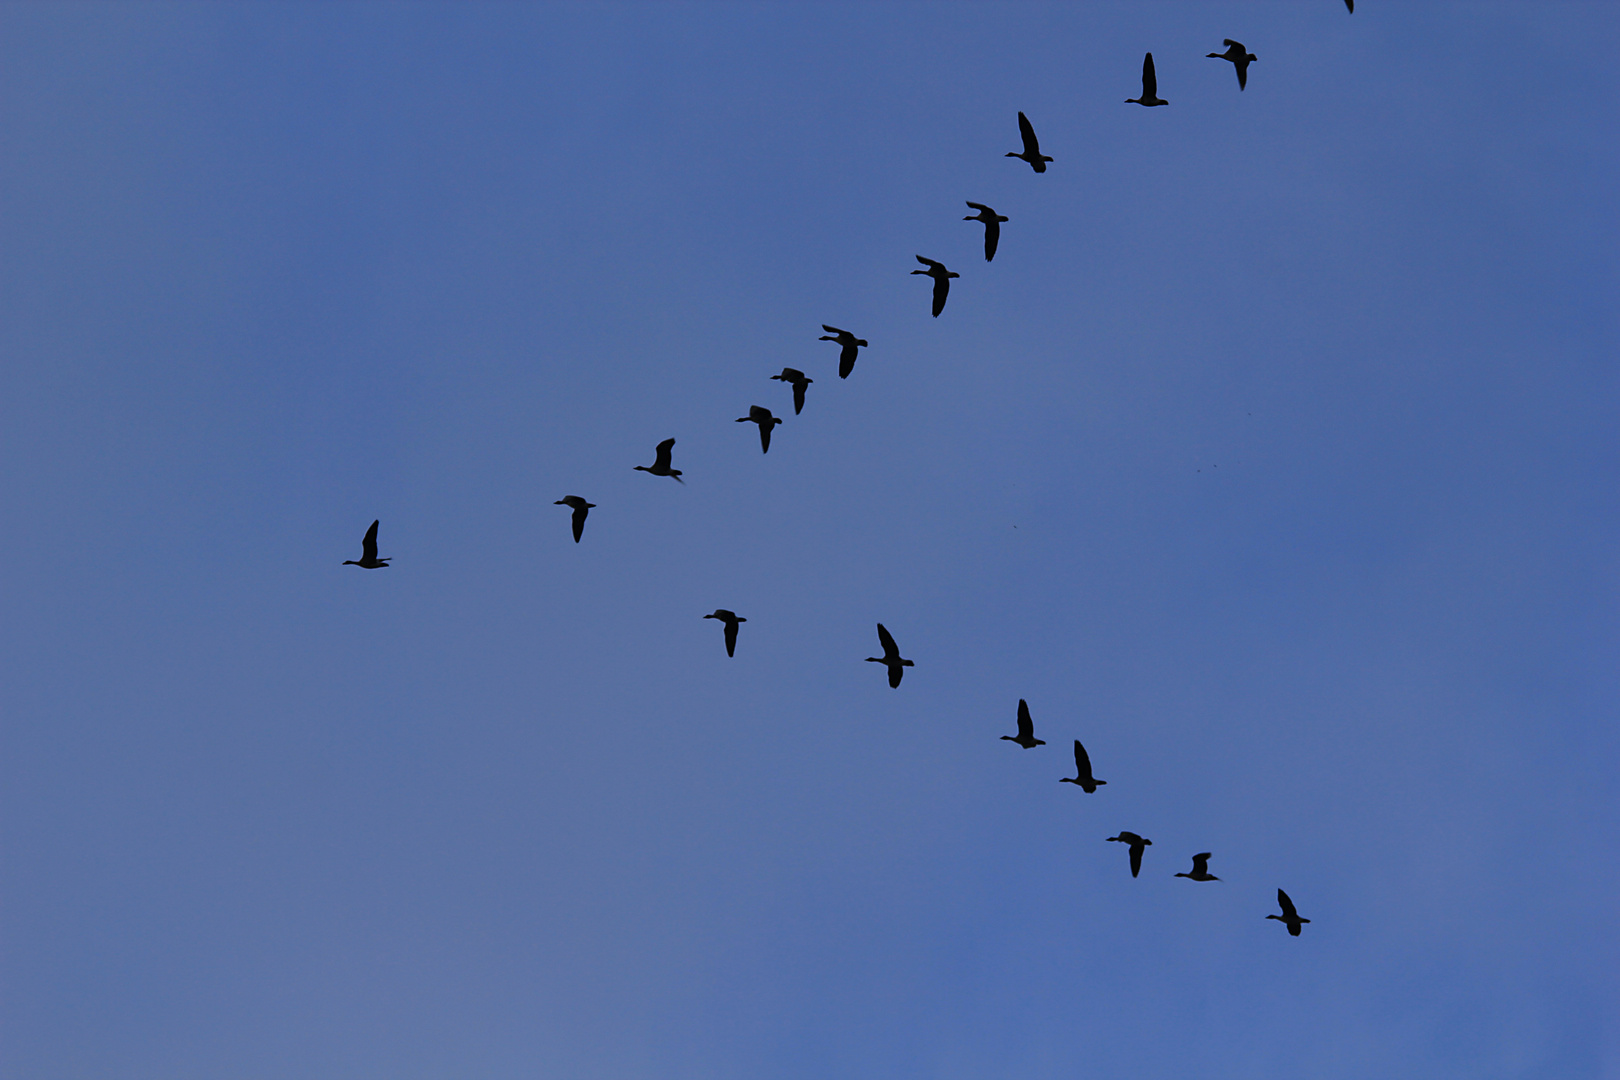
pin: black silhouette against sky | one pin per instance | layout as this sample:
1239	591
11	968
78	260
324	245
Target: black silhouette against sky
368	552
1150	85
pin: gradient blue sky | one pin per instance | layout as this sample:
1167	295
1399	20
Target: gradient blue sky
1274	457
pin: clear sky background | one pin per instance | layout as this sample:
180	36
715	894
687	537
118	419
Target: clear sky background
1274	457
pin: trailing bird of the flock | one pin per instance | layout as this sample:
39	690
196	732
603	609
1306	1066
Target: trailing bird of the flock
849	347
1241	59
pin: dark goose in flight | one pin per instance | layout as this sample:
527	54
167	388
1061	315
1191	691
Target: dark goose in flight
1026	729
1082	772
992	227
1289	915
1241	58
1150	86
731	619
891	657
1032	146
581	510
660	465
1200	870
942	281
759	414
849	346
799	381
1138	844
368	552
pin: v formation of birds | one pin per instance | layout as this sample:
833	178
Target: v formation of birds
849	347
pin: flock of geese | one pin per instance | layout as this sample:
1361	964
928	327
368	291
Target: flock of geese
849	350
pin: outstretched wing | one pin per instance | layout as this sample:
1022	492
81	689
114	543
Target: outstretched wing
942	289
891	651
1150	79
930	263
731	637
1228	42
579	522
979	206
664	448
1136	859
798	395
833	329
368	546
1082	762
1032	145
1287	905
1201	863
1242	66
1026	725
992	237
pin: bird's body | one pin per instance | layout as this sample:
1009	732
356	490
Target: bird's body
731	619
1082	777
1026	729
799	381
1289	915
891	657
849	348
1138	845
942	281
660	465
1200	870
1032	146
1241	58
992	227
368	552
759	414
1150	86
581	508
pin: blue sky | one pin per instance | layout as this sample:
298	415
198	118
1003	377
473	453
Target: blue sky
1273	457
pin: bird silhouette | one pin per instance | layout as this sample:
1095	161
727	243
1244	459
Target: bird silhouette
660	465
581	510
1241	58
1026	729
731	619
1082	772
1150	86
1032	146
1138	844
1200	870
849	345
799	381
891	657
1350	6
942	281
368	552
992	227
1289	914
759	414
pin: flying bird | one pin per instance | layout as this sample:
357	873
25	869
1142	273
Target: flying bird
731	619
581	510
1241	58
1026	729
759	414
1032	146
1138	844
1082	772
1200	870
942	281
891	657
1289	914
1150	86
368	552
849	346
992	227
660	465
799	381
